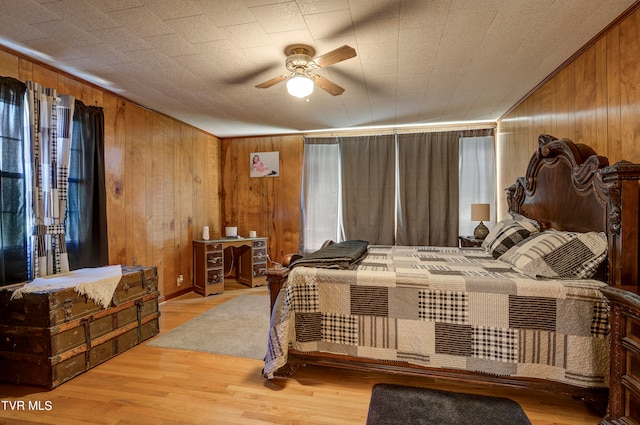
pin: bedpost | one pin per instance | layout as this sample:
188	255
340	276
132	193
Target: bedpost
623	220
277	276
275	280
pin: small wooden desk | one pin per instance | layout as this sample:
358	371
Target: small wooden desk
213	258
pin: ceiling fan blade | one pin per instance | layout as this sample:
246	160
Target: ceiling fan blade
327	85
272	82
335	56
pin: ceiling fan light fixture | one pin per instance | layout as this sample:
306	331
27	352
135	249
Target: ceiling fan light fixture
300	86
300	63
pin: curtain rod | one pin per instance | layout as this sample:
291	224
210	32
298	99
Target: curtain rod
402	130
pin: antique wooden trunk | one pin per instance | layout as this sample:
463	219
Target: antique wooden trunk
48	338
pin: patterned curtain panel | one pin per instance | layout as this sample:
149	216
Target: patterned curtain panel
50	128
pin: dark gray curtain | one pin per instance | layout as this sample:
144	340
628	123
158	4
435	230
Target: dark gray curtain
13	235
428	189
368	188
86	223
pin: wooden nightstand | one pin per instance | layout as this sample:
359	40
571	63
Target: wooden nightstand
624	385
469	242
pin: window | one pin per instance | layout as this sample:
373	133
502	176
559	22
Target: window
431	178
477	179
320	200
85	220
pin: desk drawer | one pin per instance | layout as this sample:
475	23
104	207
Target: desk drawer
259	269
259	256
260	244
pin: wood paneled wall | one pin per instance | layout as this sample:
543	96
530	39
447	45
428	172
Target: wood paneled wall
162	176
166	180
594	100
268	205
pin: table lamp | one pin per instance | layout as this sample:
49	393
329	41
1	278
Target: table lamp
480	212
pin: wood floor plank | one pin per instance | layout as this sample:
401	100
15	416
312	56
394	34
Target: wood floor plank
152	385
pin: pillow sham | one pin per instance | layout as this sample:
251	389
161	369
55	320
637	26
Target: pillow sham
507	233
525	221
556	254
493	233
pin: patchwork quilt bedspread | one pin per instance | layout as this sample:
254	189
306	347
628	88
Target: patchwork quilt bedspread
452	308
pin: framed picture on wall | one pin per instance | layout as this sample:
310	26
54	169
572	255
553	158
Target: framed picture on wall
265	164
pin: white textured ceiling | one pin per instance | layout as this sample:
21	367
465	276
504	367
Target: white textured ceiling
418	62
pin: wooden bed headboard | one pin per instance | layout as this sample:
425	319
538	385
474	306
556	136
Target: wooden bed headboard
567	186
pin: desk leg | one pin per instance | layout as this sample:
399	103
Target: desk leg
245	267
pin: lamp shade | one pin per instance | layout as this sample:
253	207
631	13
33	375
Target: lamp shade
300	86
480	212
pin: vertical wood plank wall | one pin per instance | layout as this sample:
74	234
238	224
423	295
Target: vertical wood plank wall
268	205
162	177
594	100
166	179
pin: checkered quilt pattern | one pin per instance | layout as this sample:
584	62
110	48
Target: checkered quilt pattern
452	308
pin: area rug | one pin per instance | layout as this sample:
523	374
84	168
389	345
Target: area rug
396	404
238	327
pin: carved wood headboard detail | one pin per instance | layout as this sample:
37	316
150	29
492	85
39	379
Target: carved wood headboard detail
567	186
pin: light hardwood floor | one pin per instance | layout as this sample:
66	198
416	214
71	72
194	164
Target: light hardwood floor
150	385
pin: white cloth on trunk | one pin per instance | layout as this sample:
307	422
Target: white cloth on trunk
97	283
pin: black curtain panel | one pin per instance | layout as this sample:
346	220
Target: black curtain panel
86	221
13	232
368	188
428	189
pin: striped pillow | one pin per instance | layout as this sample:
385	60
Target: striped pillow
556	254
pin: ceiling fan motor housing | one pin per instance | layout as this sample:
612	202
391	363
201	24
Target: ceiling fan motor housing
296	61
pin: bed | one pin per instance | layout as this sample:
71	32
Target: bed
478	315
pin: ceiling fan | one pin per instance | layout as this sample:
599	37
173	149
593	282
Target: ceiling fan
300	63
